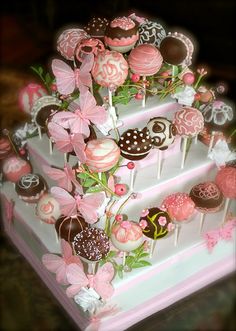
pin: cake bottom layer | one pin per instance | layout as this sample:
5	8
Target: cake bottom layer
154	289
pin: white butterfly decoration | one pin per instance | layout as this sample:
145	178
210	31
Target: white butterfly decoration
221	153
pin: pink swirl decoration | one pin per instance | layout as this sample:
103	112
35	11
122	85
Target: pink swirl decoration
110	68
124	23
188	122
127	231
226	180
206	191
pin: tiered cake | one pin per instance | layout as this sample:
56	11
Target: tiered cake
137	216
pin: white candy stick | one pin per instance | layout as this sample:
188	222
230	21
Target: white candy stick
100	175
226	207
177	229
110	97
92	267
131	184
144	90
196	139
202	218
50	146
185	141
151	249
211	142
124	258
39	132
56	235
91	88
65	157
159	159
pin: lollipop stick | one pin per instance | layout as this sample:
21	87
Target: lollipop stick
56	235
151	249
99	175
226	207
196	139
50	146
211	142
39	132
110	97
177	229
131	185
159	159
202	217
124	258
91	268
65	157
144	92
185	140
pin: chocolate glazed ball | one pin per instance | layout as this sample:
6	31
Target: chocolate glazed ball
173	50
68	227
30	187
135	144
157	223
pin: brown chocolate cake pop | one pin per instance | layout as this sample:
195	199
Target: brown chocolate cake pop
31	187
207	197
68	227
96	27
43	108
91	244
157	222
135	144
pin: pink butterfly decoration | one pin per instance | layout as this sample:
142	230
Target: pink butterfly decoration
67	142
59	264
86	205
68	79
99	282
107	310
224	232
84	111
65	178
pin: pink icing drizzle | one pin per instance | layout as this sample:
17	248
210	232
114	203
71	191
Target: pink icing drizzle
188	121
124	23
179	205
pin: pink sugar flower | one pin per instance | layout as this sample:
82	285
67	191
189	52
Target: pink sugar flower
126	225
143	224
144	212
162	220
170	227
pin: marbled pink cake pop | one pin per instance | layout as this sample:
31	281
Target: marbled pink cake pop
101	154
29	95
110	69
145	60
68	40
188	122
48	209
226	180
179	206
126	235
14	167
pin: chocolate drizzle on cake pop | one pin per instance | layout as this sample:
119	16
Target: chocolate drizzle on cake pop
162	132
30	187
135	144
68	227
91	244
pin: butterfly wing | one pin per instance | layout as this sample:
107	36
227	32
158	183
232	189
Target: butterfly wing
77	141
77	278
66	200
65	77
102	281
90	110
88	206
71	176
60	137
64	119
84	76
61	177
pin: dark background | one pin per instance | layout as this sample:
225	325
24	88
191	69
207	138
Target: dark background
28	30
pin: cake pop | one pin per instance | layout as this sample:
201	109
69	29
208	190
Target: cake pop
145	60
180	207
85	47
30	187
135	144
14	167
101	154
121	34
162	132
96	27
48	209
207	198
151	33
188	122
68	40
155	224
6	149
28	95
68	227
226	180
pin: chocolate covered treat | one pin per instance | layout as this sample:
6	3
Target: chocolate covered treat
162	132
135	144
5	148
91	244
155	223
30	187
207	197
151	33
68	227
96	27
43	108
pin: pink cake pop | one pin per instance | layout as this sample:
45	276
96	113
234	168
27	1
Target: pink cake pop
188	122
180	208
48	209
68	40
101	154
14	167
29	95
145	60
226	180
110	69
